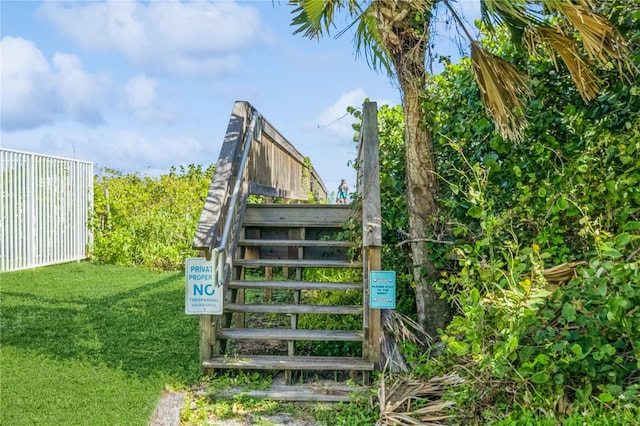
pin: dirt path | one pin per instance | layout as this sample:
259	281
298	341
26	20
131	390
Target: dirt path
167	413
168	410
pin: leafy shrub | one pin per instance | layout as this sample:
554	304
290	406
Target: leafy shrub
570	192
145	221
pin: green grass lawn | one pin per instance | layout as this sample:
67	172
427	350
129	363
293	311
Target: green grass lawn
82	344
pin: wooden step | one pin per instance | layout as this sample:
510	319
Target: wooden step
298	263
294	285
289	334
284	362
321	392
294	309
296	215
294	243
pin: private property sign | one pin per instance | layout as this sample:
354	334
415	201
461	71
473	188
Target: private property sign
203	296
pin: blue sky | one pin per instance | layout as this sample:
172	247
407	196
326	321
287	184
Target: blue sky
142	86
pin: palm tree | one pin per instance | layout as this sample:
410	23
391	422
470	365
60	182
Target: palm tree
394	36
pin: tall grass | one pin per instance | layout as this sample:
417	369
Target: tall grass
82	344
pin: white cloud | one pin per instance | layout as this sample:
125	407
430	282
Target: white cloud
189	38
34	93
27	94
115	148
335	119
80	93
140	96
129	150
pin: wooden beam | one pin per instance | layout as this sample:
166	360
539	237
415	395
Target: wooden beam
369	186
371	216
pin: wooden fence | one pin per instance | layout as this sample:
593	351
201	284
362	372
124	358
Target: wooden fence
45	203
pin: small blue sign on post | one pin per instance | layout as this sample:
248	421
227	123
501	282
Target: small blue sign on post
382	289
203	295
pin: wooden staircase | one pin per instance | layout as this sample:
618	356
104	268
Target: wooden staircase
261	256
284	240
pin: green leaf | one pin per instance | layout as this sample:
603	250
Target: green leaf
605	397
612	253
517	171
576	349
475	212
542	359
623	239
569	312
632	226
562	203
540	378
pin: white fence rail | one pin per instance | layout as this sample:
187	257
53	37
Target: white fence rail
45	203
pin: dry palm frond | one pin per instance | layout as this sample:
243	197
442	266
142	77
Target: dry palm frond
600	38
579	67
501	87
399	328
562	273
408	401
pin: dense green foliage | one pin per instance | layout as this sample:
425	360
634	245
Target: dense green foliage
570	192
92	345
145	221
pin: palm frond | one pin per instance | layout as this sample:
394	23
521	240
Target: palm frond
410	401
578	66
314	17
515	15
501	87
600	38
368	42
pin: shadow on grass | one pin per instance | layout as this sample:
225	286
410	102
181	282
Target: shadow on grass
139	327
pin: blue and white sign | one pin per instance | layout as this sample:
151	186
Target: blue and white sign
382	289
203	296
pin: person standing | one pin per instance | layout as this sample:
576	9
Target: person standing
343	189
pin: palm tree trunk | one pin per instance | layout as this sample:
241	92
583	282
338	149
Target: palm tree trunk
422	188
406	41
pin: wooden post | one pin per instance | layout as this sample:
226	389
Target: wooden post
371	223
207	333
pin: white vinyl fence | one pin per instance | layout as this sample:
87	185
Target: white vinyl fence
45	204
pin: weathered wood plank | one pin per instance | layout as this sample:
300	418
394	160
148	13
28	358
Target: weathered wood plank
305	393
317	215
369	182
297	396
277	168
294	243
283	224
222	178
371	216
296	263
274	362
295	309
207	335
295	285
288	334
